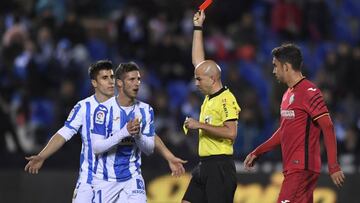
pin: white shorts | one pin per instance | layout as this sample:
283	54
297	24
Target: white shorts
130	191
83	193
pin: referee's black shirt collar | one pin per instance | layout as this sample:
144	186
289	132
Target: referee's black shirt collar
217	93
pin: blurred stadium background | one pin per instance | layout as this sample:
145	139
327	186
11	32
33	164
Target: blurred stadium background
47	46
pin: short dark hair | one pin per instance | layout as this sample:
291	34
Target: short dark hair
125	68
96	67
289	53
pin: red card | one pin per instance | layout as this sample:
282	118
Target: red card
204	5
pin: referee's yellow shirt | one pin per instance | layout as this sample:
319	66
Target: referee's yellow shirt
215	110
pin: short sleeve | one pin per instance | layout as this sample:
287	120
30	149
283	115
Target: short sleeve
229	108
73	122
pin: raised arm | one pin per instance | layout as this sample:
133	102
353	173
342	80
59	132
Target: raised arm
175	163
198	54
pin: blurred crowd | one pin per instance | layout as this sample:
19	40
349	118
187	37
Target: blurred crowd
47	45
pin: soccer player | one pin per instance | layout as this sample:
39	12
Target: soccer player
101	75
303	116
214	179
80	119
125	130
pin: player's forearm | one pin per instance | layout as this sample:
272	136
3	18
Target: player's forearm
197	48
145	143
162	149
101	145
228	131
268	145
330	143
54	144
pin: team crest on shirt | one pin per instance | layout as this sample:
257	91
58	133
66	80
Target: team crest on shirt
292	98
100	117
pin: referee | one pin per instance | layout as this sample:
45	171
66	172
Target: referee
214	179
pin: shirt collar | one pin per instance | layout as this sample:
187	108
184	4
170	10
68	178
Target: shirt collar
218	92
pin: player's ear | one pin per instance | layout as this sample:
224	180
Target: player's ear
287	66
213	78
94	83
119	82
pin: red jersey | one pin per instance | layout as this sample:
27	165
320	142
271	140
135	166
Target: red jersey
302	112
299	133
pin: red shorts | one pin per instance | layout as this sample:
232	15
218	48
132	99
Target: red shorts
298	187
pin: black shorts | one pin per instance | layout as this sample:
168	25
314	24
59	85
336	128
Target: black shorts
213	181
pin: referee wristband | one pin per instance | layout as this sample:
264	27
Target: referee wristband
197	27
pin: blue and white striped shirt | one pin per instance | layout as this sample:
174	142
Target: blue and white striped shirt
122	161
81	119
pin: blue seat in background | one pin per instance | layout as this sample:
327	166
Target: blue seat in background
98	49
42	111
177	92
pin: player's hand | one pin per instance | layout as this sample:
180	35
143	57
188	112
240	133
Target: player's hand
34	164
249	161
199	18
338	178
133	127
176	166
191	123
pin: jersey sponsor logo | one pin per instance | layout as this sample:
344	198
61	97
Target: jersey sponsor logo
292	98
100	117
288	114
285	201
311	89
127	141
138	192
